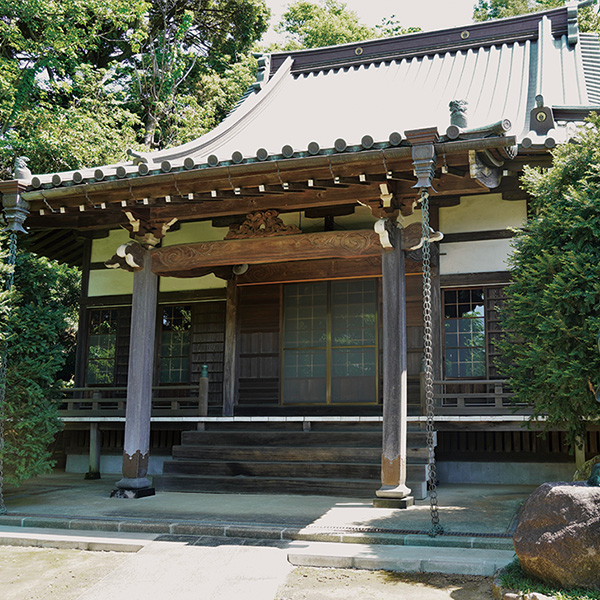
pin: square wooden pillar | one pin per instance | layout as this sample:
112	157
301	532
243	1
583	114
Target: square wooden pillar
136	447
394	492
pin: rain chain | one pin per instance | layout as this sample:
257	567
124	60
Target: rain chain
436	528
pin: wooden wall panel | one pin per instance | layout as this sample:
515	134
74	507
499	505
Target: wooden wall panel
208	341
259	356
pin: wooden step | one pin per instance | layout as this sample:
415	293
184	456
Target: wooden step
290	470
272	469
355	488
373	439
280	438
332	458
340	454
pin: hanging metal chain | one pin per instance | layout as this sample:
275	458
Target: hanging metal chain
10	278
436	528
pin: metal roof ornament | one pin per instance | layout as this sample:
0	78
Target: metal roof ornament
541	118
16	211
423	154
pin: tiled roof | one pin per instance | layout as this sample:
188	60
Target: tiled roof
312	104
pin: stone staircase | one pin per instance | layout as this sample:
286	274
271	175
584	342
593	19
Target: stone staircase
332	459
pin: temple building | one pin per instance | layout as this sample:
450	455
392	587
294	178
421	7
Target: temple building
252	314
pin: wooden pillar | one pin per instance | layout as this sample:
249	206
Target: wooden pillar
230	358
394	492
136	448
94	455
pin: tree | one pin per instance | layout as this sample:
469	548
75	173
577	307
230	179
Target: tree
38	320
83	80
186	40
553	307
309	25
486	10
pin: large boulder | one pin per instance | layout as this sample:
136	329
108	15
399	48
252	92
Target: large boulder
557	538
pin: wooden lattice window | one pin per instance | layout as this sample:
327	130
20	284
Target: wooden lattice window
330	342
472	327
464	333
102	347
175	344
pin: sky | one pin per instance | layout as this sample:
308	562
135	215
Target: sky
426	14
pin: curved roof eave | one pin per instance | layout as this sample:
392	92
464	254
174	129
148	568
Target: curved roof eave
176	156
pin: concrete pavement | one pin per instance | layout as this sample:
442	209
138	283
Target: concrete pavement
477	522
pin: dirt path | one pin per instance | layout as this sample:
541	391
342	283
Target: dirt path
41	574
307	583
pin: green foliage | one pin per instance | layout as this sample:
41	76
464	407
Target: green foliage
486	10
553	306
40	331
309	25
83	80
513	577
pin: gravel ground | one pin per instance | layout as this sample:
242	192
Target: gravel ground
40	573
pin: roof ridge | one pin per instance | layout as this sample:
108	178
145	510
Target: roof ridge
487	33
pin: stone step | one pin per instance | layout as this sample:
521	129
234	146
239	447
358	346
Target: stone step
459	561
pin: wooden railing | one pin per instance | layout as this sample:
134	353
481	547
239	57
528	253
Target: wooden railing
180	400
452	397
475	397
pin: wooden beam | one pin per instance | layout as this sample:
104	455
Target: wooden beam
181	260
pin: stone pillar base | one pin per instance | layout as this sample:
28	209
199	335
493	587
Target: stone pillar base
133	483
140	493
91	475
392	491
405	502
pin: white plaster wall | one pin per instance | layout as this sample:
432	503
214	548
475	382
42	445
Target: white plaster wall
108	282
189	233
105	248
474	257
482	213
182	284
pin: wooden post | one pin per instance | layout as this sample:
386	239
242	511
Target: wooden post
579	453
203	397
230	359
393	492
94	468
136	448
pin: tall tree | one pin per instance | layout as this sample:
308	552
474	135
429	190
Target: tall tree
38	321
83	80
310	25
186	40
553	306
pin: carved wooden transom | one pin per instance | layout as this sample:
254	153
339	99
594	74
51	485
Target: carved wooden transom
261	224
